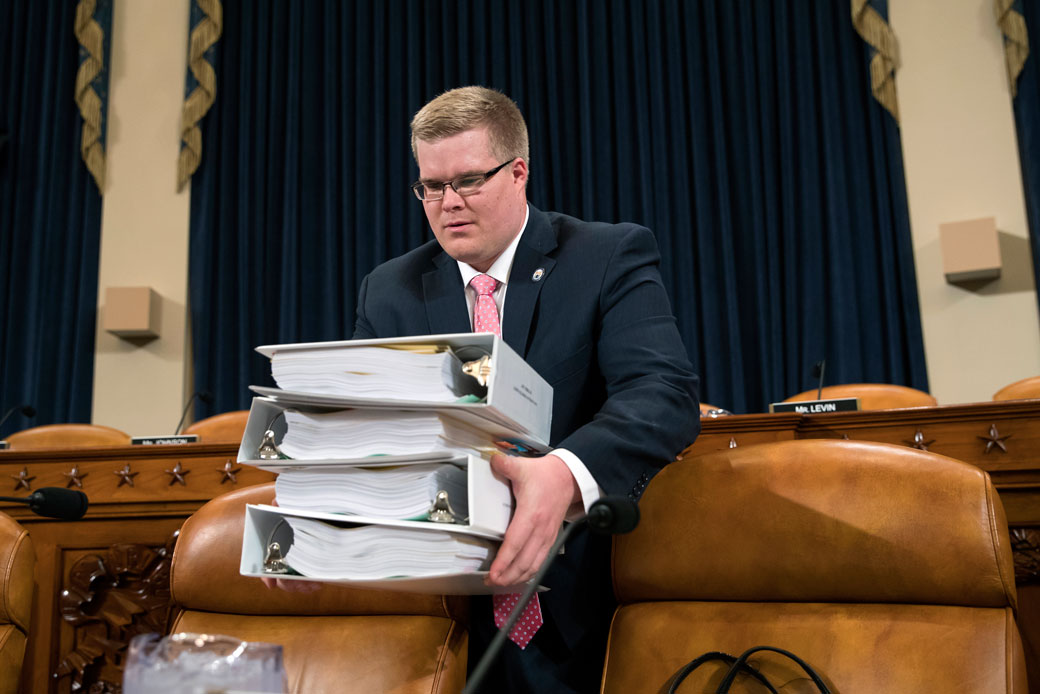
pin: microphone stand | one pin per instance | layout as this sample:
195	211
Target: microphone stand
203	395
25	410
496	644
818	371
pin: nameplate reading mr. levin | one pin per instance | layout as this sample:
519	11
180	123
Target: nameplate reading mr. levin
817	406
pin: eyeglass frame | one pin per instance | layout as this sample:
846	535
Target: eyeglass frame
419	185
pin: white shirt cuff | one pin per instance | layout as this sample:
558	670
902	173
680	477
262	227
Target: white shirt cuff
587	486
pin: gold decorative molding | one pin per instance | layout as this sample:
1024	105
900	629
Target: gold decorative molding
203	36
1016	40
883	65
92	39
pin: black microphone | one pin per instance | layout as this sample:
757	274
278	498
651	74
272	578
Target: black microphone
817	372
203	395
613	515
609	515
27	410
54	502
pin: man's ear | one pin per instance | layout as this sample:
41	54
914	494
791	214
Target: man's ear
519	171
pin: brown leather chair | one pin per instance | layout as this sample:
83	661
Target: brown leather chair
17	563
336	639
67	436
872	396
1020	390
887	568
220	428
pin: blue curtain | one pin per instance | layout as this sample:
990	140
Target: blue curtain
1027	123
743	133
50	219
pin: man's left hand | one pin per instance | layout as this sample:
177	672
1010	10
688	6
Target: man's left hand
544	489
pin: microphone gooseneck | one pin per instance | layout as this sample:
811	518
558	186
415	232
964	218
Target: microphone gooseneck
54	502
26	410
817	372
203	395
610	515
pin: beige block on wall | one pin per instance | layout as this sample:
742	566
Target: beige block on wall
970	250
132	312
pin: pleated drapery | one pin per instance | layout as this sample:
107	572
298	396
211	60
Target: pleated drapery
743	133
50	216
1026	90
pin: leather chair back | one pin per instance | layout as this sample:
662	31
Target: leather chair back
887	568
17	564
227	427
1020	390
336	639
872	396
67	436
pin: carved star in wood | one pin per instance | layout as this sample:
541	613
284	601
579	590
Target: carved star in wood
23	480
995	440
75	477
125	476
229	471
177	475
919	443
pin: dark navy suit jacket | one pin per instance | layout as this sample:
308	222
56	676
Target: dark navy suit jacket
597	325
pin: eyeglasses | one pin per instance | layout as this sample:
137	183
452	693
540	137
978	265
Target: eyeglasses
428	191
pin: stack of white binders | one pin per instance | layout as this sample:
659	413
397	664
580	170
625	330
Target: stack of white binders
382	450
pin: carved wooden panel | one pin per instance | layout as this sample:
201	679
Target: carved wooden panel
110	597
1025	548
139	496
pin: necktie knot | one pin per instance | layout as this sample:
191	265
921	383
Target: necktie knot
484	284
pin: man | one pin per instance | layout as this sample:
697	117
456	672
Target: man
584	305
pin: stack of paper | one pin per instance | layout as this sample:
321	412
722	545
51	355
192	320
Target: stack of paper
322	550
374	372
365	436
360	433
403	492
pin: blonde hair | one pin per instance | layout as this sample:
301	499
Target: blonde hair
465	108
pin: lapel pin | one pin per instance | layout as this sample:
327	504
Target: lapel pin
538	274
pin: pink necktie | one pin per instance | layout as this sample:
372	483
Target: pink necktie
485	320
485	311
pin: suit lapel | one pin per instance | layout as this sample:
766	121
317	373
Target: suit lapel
531	266
445	298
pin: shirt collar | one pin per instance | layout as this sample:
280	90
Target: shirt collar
503	265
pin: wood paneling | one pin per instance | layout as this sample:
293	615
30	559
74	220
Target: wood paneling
101	580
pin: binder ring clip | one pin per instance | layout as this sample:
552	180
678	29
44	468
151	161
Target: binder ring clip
441	511
268	449
480	369
274	563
